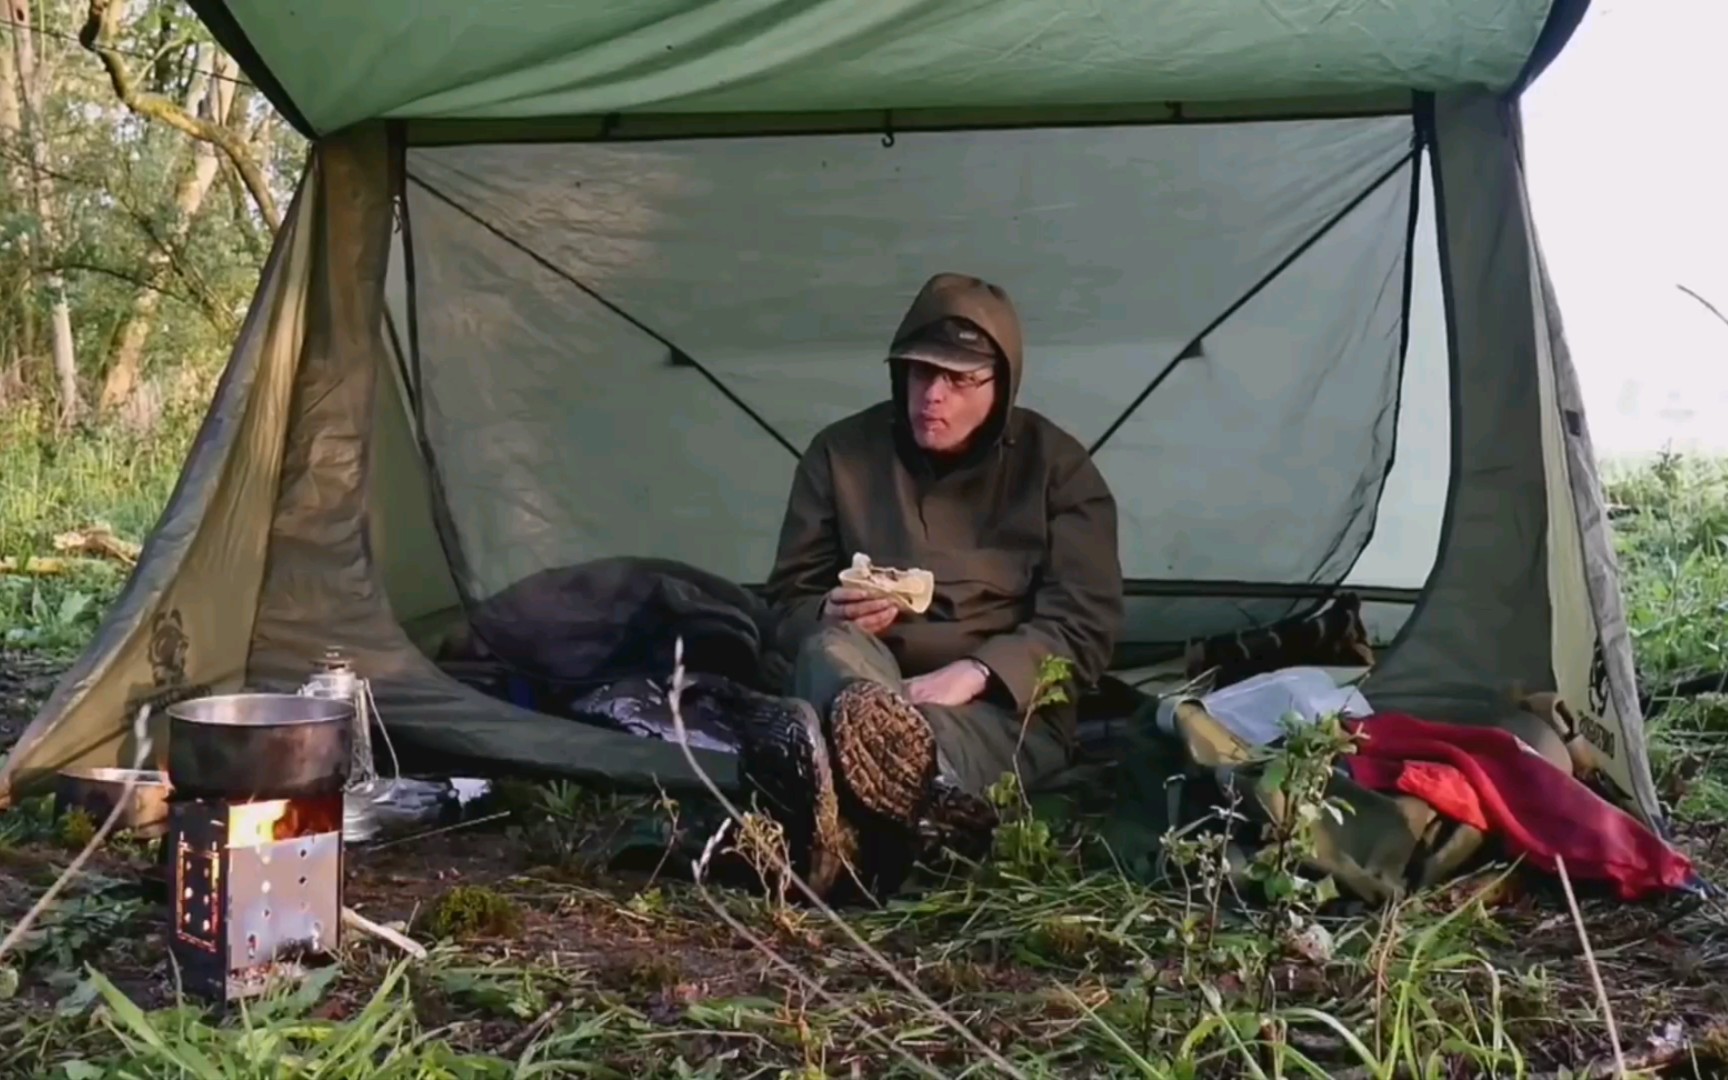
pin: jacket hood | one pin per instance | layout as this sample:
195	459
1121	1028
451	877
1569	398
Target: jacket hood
987	307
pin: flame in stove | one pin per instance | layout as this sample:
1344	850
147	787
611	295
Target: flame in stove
254	824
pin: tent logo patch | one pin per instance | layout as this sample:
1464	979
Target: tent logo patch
1599	680
167	651
1596	734
168	648
1589	724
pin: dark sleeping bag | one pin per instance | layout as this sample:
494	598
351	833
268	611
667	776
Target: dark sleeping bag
619	618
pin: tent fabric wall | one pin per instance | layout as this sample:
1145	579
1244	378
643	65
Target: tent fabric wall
1412	511
1525	597
320	573
323	589
1483	624
330	63
182	626
402	533
262	559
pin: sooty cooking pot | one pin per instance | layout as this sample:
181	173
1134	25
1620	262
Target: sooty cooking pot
259	746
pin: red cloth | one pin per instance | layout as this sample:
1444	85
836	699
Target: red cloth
1539	811
1444	787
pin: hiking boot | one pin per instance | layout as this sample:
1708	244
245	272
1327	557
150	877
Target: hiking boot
957	821
783	758
885	750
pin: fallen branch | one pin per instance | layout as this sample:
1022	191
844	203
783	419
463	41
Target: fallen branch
36	565
354	920
100	541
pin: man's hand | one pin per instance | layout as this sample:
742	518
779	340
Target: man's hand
959	683
869	613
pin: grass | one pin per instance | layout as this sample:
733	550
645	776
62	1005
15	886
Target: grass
544	964
52	485
1672	540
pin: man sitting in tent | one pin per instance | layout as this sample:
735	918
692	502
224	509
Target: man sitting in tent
1018	528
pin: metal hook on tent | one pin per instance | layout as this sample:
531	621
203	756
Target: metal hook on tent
888	130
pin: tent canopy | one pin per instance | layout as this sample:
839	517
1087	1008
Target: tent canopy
327	64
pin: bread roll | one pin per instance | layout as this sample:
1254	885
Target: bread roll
911	589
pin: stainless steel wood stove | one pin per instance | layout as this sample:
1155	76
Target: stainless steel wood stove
256	890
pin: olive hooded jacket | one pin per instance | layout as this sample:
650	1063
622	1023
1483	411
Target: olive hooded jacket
1020	533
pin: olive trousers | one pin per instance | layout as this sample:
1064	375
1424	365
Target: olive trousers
976	743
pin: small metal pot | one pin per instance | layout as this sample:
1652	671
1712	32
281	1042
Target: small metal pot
259	746
97	790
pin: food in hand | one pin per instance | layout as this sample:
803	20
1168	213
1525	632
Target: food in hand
911	589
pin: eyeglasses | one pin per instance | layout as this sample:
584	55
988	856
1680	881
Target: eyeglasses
951	379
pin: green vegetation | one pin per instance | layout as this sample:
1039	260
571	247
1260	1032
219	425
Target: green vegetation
51	485
1672	536
469	911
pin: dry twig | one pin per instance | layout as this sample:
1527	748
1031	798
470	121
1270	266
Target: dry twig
357	921
810	985
141	735
1595	972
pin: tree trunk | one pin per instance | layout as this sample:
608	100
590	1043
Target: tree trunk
260	138
12	134
211	100
30	80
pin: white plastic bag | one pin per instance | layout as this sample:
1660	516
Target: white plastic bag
1254	708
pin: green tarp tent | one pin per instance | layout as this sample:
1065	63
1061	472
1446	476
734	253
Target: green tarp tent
565	281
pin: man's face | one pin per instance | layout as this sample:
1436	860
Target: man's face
947	408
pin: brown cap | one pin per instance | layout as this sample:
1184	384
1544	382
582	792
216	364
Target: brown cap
955	344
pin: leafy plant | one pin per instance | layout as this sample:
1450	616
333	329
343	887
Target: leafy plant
1299	774
473	910
75	927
